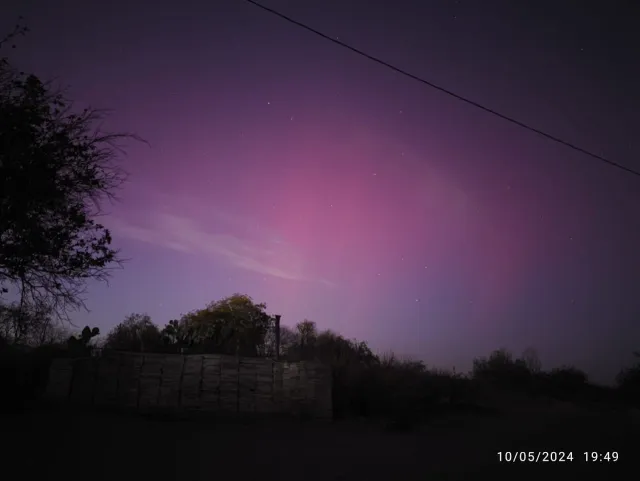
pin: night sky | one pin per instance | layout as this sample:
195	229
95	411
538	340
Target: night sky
286	167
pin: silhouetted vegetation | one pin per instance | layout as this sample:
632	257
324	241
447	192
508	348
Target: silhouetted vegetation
365	385
56	169
136	333
26	354
628	381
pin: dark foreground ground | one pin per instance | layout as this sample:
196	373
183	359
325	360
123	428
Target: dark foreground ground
47	442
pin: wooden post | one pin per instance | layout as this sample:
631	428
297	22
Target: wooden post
184	361
140	373
277	328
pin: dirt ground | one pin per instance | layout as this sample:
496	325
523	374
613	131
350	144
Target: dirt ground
52	442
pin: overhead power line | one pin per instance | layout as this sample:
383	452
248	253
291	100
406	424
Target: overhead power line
447	91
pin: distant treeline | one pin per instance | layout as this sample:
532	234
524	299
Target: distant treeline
364	384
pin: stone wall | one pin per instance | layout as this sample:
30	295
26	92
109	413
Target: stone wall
200	382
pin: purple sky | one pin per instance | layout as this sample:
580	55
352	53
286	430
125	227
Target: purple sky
285	167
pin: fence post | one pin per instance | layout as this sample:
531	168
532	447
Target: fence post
72	379
184	361
96	378
160	383
118	374
201	381
277	327
140	373
237	384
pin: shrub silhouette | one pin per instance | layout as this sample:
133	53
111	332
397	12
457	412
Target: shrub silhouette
80	346
500	368
628	382
565	383
399	392
23	373
24	370
136	333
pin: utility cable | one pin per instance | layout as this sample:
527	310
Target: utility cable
448	92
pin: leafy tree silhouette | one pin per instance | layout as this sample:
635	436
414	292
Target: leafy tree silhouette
136	333
29	325
56	169
289	342
307	335
531	360
176	335
232	325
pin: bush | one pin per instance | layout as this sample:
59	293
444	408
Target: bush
628	382
24	372
565	383
500	368
401	392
